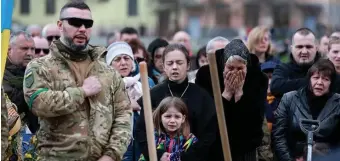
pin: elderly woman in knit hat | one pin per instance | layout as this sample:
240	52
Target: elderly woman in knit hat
244	91
121	58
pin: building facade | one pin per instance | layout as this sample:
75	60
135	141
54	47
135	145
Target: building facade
106	13
213	17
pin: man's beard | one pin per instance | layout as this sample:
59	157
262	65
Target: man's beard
305	63
69	42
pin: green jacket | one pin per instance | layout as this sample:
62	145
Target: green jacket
69	131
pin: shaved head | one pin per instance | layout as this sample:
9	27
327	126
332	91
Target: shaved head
180	35
50	29
34	30
183	38
40	42
73	4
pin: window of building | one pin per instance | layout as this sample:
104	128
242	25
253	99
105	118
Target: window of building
252	15
281	16
25	6
222	21
132	8
50	6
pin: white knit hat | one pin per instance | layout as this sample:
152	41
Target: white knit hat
116	49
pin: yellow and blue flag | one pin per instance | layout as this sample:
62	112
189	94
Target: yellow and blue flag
6	23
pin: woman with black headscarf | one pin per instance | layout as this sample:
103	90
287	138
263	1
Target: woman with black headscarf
244	91
317	101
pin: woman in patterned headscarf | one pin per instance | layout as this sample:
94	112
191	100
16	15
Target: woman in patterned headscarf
244	91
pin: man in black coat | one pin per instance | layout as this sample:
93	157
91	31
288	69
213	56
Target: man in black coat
21	51
292	76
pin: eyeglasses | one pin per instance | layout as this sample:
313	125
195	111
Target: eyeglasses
38	51
52	37
78	22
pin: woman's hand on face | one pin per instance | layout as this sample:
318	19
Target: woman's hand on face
229	80
238	84
236	80
228	92
239	80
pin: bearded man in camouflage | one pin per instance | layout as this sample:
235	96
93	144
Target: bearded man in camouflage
83	109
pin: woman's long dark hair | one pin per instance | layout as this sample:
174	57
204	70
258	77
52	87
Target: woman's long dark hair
201	52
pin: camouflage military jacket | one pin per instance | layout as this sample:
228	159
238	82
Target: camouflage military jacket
4	126
68	131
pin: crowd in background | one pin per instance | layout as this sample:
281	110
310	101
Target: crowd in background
265	93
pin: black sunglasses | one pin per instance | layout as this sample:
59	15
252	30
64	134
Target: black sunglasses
51	38
37	51
78	22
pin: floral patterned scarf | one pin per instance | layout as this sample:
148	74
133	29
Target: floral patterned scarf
175	146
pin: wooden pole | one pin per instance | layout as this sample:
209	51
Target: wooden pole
148	112
219	106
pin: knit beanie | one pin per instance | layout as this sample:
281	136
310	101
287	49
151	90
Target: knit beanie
117	49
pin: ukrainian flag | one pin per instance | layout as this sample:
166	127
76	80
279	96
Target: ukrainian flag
6	23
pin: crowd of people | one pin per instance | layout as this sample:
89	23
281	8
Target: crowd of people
64	99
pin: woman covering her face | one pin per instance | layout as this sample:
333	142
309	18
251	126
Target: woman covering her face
316	101
244	89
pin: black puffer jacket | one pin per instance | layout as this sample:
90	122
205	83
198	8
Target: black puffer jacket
287	135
